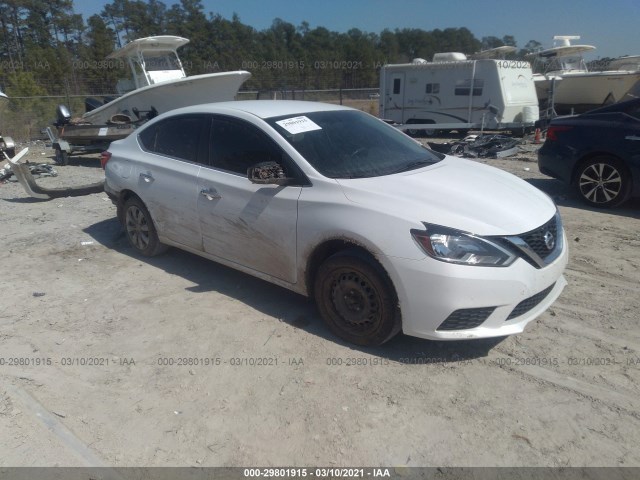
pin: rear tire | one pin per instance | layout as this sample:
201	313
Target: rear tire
356	299
603	182
140	230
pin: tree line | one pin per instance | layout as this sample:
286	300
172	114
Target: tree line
48	49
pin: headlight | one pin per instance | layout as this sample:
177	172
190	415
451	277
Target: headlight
454	246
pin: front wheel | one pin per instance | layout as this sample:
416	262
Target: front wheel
603	182
140	230
356	299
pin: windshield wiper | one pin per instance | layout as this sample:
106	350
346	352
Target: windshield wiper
357	175
411	166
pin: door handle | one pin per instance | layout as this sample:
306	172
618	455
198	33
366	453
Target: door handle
210	194
147	177
632	137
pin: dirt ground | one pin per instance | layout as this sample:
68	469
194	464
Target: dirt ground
108	358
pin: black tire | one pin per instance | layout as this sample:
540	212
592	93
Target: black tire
356	299
412	132
140	229
603	182
62	157
415	132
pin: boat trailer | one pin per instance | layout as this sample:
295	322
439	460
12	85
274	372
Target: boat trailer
77	138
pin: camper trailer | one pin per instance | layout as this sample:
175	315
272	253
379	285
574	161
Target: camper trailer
455	93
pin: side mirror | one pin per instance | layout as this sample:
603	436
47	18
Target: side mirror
268	173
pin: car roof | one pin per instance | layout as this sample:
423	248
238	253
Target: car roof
262	108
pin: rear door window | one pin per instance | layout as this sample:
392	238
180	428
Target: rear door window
182	137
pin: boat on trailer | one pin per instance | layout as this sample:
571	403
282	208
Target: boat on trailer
158	80
563	81
158	84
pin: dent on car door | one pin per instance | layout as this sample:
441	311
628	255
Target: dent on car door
167	180
248	224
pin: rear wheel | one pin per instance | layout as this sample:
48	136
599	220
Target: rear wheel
356	299
140	230
603	182
414	132
430	132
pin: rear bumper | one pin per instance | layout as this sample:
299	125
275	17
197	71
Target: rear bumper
556	161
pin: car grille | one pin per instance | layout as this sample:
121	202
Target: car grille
535	238
532	247
526	305
466	318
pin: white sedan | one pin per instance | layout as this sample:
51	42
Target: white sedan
333	203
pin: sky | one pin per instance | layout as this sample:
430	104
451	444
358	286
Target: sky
613	26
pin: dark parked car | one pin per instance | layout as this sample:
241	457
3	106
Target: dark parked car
597	153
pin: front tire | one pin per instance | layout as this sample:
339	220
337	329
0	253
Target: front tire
140	230
603	182
356	299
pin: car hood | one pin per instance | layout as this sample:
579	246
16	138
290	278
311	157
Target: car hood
456	193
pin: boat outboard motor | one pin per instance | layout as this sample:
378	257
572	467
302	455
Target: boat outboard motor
63	116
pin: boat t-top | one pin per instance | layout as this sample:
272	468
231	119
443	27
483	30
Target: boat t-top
158	81
562	74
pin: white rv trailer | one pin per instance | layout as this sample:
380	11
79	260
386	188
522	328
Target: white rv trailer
455	93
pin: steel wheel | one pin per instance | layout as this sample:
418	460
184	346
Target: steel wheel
356	299
602	182
140	229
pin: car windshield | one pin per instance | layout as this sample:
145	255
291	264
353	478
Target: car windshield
352	144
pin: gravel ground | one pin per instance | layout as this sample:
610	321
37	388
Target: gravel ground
108	358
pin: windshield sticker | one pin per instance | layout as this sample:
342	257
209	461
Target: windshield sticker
298	125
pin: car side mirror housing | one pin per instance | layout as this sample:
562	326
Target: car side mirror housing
268	173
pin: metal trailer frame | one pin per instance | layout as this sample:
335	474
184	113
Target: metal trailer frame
96	144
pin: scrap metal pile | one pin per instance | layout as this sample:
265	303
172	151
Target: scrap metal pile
480	146
37	170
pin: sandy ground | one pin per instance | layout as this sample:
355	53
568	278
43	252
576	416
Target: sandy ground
108	358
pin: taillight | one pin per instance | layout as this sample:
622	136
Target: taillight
104	158
553	130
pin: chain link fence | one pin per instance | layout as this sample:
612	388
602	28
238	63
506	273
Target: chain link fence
25	118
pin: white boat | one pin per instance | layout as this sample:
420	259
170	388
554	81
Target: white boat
158	81
629	63
496	53
563	69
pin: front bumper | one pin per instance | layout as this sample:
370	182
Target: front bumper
430	291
